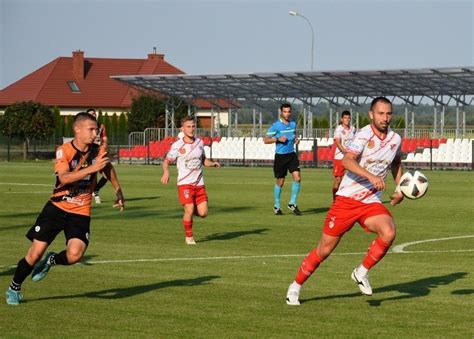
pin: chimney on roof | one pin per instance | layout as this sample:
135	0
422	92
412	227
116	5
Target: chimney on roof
78	64
155	56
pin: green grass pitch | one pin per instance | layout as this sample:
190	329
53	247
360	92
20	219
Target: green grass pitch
139	279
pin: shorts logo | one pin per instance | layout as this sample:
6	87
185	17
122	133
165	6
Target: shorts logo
371	144
331	222
37	228
186	193
87	235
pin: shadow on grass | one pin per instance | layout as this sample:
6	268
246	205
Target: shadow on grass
408	290
233	235
8	272
315	210
127	292
141	198
463	292
231	209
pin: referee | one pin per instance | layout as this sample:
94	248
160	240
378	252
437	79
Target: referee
283	134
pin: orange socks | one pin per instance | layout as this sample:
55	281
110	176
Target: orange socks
377	250
188	227
308	266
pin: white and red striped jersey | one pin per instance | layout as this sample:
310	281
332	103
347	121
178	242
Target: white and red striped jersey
376	156
346	135
189	161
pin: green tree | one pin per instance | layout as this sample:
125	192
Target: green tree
28	120
364	121
146	111
114	127
58	122
324	123
68	132
122	128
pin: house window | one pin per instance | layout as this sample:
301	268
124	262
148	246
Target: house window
73	86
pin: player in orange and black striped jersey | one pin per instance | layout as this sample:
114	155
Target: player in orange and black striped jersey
69	207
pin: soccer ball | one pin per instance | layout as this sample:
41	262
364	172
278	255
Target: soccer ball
413	184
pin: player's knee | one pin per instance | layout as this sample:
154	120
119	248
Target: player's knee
74	256
202	214
388	234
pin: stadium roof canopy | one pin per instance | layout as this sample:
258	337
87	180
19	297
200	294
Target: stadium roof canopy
442	85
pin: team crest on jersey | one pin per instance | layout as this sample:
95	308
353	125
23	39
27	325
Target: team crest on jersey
392	146
74	163
331	222
371	144
182	150
186	193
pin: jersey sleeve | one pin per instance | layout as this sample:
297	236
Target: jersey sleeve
172	154
62	161
337	132
357	145
272	131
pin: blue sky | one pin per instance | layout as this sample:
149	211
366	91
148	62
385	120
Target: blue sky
232	36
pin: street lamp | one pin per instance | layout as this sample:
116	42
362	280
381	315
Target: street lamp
293	13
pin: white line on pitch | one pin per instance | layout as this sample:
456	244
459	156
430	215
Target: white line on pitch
401	248
240	257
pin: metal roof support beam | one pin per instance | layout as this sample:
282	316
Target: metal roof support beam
229	122
409	130
212	122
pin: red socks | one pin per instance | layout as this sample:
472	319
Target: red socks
308	266
188	227
377	250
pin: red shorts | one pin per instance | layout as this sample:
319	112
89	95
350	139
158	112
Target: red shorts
337	168
190	194
344	213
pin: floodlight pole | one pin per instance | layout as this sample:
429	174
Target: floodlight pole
293	13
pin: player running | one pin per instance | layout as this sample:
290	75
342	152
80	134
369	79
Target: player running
188	153
373	152
343	135
68	209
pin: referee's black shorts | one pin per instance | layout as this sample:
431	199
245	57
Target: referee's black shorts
285	163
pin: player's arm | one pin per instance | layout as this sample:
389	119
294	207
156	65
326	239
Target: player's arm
339	145
110	174
350	163
165	178
65	176
397	171
273	140
103	136
210	163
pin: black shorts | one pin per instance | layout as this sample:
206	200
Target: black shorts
284	163
53	220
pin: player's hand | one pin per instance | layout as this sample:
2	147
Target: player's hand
102	161
297	140
165	178
282	138
216	164
396	198
120	201
378	182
